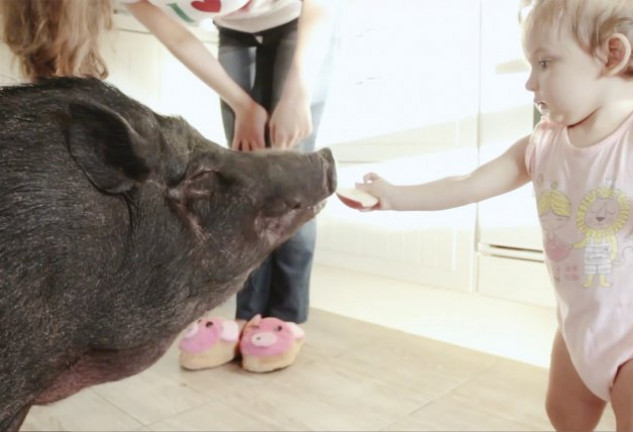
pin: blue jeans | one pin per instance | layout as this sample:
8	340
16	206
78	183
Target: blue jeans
259	63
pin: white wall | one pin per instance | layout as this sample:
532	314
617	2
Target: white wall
144	69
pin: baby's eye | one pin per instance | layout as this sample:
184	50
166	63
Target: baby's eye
542	64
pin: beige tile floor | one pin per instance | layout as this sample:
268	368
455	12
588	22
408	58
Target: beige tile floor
350	376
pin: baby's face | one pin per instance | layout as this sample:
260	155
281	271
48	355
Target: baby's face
566	80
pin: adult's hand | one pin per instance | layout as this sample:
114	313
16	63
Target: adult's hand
250	127
290	122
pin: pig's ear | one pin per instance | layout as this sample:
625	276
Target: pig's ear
103	145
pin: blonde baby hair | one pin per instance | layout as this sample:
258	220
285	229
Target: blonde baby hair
56	37
591	22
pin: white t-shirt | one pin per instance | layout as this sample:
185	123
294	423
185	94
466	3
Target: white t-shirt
248	16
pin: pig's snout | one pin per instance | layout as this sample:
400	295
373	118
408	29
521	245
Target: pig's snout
264	339
315	182
329	166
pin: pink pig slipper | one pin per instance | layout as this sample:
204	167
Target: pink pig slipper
269	344
209	342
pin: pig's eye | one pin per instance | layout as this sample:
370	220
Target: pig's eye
209	324
278	328
201	174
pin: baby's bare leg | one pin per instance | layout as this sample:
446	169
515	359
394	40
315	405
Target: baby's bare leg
622	397
571	406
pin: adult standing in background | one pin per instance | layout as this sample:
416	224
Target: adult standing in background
271	73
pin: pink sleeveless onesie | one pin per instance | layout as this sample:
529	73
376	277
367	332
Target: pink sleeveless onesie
584	204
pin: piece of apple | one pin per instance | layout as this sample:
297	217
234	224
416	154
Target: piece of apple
356	198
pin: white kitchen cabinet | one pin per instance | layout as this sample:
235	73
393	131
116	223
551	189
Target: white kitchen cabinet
407	79
414	105
404	103
509	244
507	114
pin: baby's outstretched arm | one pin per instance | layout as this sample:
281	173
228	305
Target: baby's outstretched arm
502	174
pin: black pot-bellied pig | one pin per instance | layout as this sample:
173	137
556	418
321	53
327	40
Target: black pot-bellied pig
119	227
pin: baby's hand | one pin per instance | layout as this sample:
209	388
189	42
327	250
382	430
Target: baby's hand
378	187
372	194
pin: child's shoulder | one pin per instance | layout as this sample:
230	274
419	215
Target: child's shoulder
546	131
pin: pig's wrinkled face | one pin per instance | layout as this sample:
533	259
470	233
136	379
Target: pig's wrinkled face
242	205
258	200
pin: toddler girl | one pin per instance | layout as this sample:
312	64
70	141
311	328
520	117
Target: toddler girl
582	80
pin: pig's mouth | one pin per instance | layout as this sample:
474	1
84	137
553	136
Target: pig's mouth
315	209
275	229
282	217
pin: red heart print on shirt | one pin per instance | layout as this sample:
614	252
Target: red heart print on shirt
207	5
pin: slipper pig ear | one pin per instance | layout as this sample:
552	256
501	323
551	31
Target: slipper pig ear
254	321
103	144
